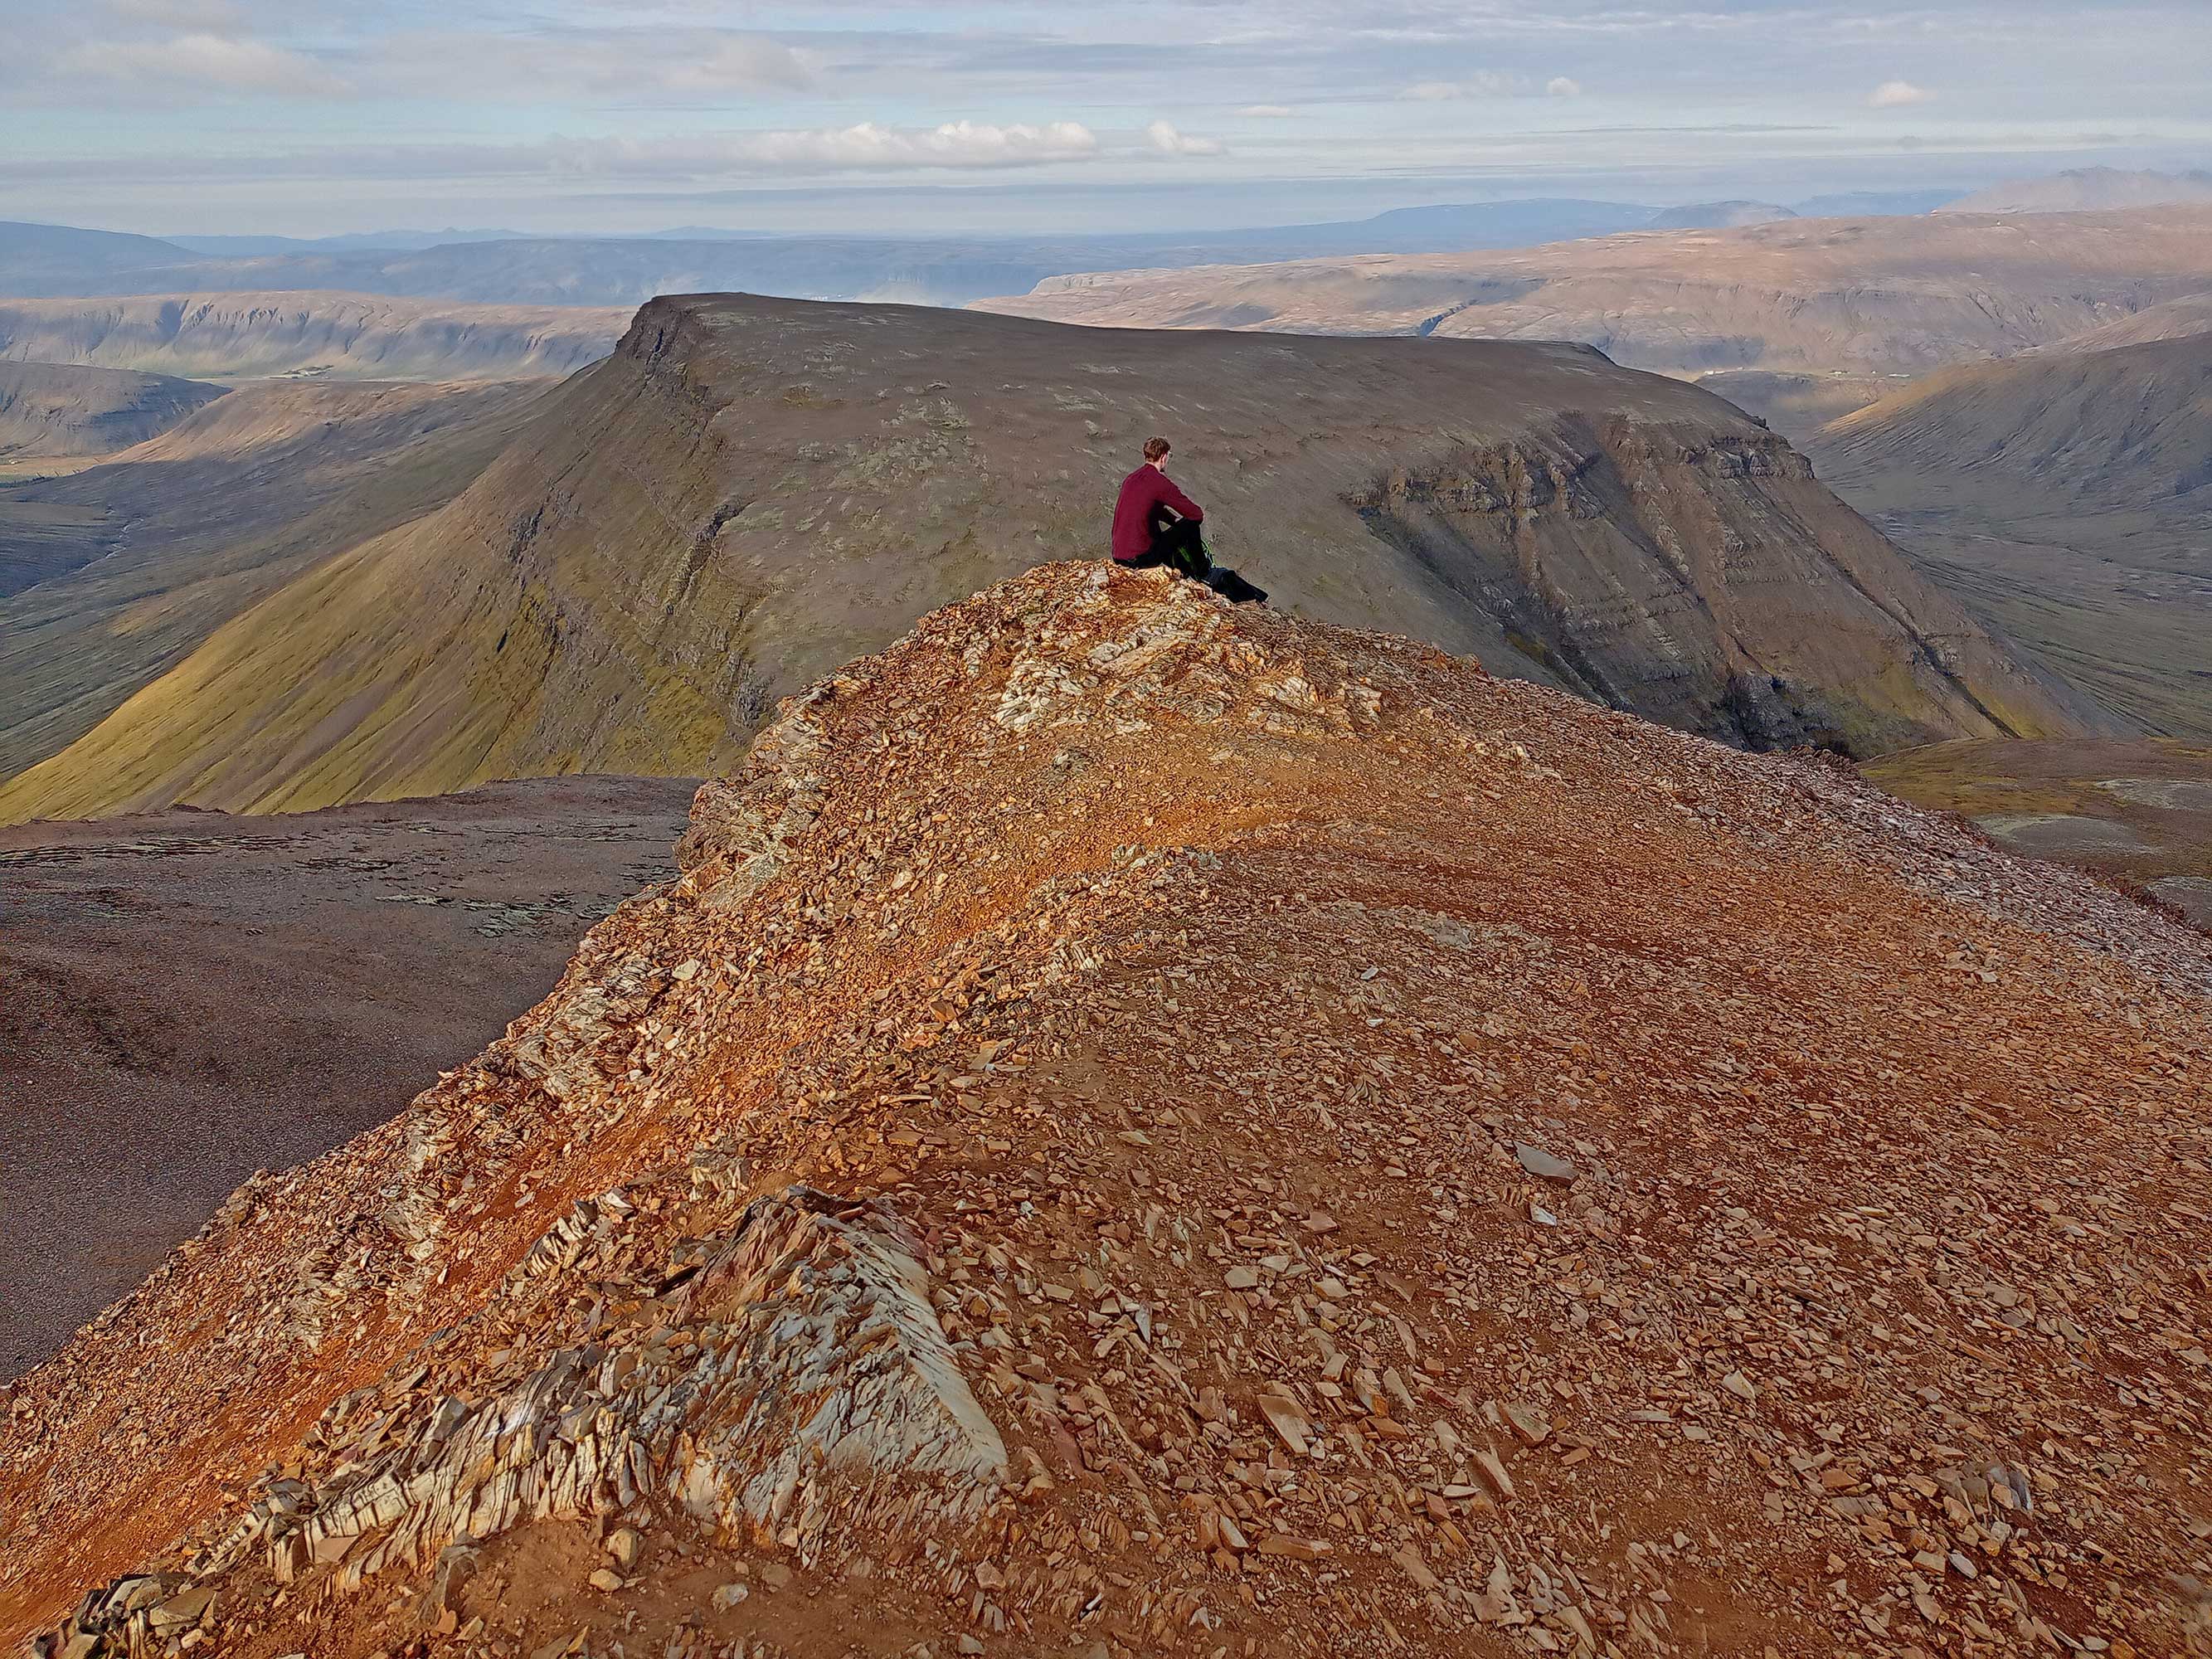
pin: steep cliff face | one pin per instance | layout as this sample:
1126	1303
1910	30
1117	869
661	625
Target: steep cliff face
1704	581
1149	1128
749	491
343	336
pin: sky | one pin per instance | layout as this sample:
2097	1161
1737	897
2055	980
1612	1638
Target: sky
317	117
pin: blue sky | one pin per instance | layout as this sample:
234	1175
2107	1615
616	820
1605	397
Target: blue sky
308	117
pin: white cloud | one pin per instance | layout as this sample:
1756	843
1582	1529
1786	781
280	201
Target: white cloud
1268	112
746	61
204	61
868	146
684	67
705	158
181	14
955	143
1162	136
1895	95
1493	83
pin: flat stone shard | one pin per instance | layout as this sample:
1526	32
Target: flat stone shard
1527	1423
1287	1417
627	1546
1544	1165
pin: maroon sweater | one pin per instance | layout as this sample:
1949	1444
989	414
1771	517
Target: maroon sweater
1144	493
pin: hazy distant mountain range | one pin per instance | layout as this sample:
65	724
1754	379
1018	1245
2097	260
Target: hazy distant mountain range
496	266
2087	190
242	247
504	267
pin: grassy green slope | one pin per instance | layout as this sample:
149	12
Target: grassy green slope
135	563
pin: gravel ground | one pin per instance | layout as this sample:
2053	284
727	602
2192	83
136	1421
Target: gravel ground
1150	1128
189	997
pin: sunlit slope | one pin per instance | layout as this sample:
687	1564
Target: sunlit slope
1890	296
751	491
67	409
123	569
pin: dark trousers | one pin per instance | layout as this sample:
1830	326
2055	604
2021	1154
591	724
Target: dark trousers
1176	543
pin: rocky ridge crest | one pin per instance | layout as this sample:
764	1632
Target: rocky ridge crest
1148	1129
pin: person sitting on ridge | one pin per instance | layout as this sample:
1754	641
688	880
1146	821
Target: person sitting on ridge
1156	523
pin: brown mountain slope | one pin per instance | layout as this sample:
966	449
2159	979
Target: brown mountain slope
2087	190
1890	296
2064	495
2171	319
1150	1128
189	997
750	490
67	409
342	336
109	577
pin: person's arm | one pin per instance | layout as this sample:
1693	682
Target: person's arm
1182	503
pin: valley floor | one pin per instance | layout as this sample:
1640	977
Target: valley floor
2137	813
187	997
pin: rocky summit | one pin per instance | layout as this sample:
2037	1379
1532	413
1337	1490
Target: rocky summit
1149	1128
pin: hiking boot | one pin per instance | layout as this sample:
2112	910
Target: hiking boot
1233	587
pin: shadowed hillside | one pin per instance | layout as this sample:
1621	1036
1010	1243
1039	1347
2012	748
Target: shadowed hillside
63	409
750	490
2064	496
187	998
1150	1128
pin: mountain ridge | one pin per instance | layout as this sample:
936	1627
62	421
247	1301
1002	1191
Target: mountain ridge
244	334
1361	1145
790	483
583	270
949	267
